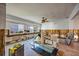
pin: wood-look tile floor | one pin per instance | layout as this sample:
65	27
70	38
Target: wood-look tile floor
28	51
72	50
27	48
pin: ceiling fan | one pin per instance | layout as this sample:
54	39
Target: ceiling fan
44	20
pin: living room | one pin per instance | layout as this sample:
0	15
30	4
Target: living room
41	29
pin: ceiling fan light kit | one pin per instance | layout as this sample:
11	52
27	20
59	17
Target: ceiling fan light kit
44	20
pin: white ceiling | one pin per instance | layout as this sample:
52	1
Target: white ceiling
35	11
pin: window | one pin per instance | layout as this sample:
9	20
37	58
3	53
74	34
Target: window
20	27
16	27
31	29
13	28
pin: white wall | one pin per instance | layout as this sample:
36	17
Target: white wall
2	16
60	24
9	22
75	24
71	24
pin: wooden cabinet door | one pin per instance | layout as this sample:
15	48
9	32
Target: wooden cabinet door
2	35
